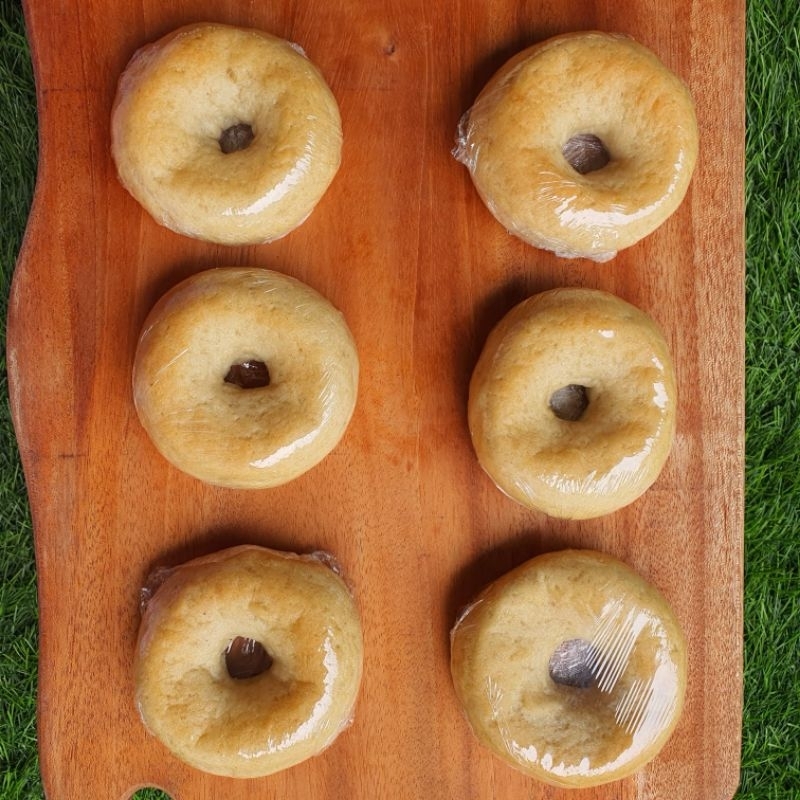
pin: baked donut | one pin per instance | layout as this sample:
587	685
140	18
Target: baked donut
225	134
582	144
571	668
572	403
248	661
244	377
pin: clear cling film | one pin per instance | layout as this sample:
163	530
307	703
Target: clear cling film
572	668
248	660
582	144
225	134
245	377
572	403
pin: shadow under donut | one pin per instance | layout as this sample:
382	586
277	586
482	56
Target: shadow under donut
491	565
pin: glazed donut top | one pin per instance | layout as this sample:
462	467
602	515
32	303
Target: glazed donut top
180	94
298	698
605	456
544	106
572	668
217	429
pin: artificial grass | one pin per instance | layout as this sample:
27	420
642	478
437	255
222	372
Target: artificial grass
771	731
771	745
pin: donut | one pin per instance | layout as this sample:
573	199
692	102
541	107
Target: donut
244	377
248	661
572	403
582	144
225	134
571	668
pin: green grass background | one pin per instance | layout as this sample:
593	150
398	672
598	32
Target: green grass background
771	730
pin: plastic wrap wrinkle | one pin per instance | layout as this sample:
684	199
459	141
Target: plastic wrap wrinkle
518	649
166	133
465	150
245	436
640	710
624	101
295	706
573	459
151	586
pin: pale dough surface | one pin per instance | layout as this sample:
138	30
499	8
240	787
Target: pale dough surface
180	93
616	450
217	431
300	610
564	735
595	83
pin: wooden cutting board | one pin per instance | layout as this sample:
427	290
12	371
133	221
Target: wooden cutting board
403	245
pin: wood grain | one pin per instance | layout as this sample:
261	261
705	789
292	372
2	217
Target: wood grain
403	245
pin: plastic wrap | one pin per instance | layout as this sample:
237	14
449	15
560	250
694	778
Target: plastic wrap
571	668
248	660
245	377
572	403
225	134
582	144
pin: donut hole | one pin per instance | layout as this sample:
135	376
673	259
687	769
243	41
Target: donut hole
249	374
237	137
246	658
573	663
569	402
585	153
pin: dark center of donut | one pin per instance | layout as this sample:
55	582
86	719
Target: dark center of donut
585	153
569	402
246	658
573	663
237	137
248	375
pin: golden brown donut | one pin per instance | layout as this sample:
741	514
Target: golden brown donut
571	668
225	134
245	377
572	403
249	660
582	144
